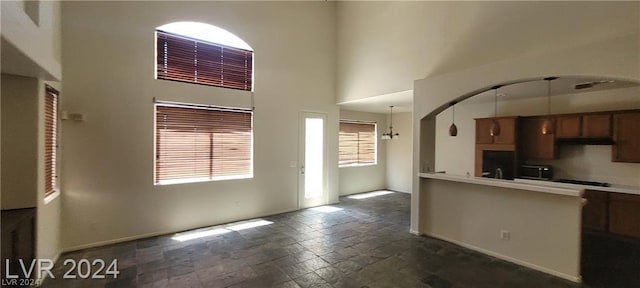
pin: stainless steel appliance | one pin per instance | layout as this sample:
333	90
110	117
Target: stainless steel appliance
536	172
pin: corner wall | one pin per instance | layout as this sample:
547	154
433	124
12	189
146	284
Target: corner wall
109	58
23	152
20	122
399	156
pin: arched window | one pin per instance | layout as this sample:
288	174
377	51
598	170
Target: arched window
203	54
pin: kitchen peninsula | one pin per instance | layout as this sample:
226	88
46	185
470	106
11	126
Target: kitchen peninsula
535	226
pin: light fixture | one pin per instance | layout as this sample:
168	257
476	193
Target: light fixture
453	129
547	125
494	130
390	135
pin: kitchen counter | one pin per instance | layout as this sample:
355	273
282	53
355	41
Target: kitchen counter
613	188
530	185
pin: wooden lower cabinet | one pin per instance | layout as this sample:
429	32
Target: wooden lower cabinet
624	214
594	213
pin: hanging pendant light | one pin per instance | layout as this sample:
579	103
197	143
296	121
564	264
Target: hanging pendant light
390	135
494	130
548	124
453	129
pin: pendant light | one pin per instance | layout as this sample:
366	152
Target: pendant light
453	129
547	125
494	130
390	135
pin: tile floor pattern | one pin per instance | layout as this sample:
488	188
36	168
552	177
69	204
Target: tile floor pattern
366	244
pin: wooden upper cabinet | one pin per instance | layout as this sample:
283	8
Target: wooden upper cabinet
596	125
534	145
626	137
569	126
591	125
507	131
482	131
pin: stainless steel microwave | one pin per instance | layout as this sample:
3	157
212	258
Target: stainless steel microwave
536	172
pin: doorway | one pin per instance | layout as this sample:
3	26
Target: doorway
312	172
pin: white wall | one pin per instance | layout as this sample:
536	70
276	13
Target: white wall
23	159
19	142
370	177
399	156
107	168
456	155
544	228
384	46
31	48
48	220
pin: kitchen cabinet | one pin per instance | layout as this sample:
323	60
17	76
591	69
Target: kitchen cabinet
508	126
595	211
588	125
596	125
568	126
482	131
533	144
626	137
624	214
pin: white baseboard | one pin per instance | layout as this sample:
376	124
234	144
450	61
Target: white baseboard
577	279
154	234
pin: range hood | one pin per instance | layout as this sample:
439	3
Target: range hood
586	141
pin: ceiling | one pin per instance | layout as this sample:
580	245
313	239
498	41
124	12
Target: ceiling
538	88
403	101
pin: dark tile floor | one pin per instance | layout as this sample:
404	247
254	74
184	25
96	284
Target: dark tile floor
365	244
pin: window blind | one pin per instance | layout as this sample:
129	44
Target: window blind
198	143
50	139
190	60
357	144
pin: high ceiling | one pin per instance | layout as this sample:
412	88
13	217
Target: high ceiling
403	101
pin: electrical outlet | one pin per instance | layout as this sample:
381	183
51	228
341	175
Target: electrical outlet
505	235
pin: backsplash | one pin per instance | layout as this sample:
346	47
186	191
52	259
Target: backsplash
593	163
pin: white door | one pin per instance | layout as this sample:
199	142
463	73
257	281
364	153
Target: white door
312	172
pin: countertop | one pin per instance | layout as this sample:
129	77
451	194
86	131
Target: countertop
572	190
613	188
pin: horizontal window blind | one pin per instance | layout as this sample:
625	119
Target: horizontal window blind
357	144
191	60
50	139
197	143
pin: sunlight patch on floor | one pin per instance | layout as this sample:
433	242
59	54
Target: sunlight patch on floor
326	209
370	194
218	230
